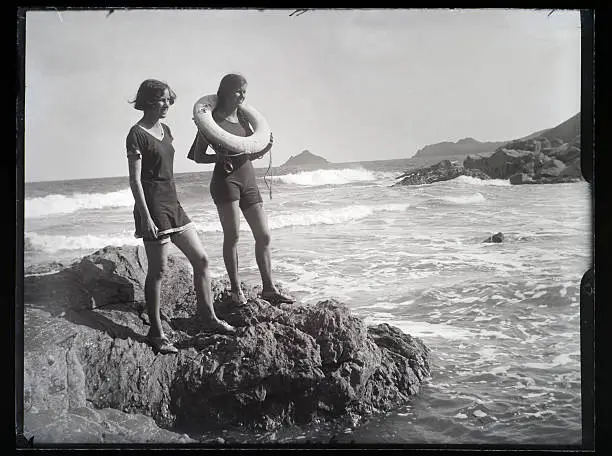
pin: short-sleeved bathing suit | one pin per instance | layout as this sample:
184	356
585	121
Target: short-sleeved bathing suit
158	183
240	184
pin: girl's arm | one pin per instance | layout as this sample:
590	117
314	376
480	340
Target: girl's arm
198	149
263	152
135	166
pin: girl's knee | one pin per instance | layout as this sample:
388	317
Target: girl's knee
201	264
231	238
263	238
157	272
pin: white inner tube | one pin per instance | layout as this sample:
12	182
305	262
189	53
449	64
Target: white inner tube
202	116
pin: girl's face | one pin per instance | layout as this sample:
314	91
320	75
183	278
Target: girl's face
236	97
160	106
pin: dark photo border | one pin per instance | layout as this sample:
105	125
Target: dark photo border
594	328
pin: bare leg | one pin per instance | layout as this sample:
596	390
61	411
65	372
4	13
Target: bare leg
189	243
229	215
257	220
157	258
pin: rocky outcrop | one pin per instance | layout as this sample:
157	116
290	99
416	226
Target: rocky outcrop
443	171
553	156
546	157
495	238
305	159
85	354
504	163
530	166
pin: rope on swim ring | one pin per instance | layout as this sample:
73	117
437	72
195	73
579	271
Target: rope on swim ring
266	173
239	145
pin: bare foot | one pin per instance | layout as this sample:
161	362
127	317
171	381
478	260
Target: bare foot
161	344
217	325
276	297
238	297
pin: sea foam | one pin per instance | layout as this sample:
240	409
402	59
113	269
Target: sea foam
56	243
321	177
64	204
482	182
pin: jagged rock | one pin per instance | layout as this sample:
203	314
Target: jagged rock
555	142
525	167
552	168
503	163
565	153
442	171
496	238
572	169
286	364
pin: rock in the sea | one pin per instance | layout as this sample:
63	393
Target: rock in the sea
287	364
442	171
526	167
521	178
497	237
503	163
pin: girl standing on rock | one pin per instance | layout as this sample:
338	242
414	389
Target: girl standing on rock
158	215
233	189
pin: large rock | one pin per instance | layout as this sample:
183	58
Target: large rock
565	153
305	159
495	238
572	169
552	168
442	171
85	350
503	163
530	167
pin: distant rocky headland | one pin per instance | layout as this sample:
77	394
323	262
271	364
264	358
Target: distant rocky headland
458	149
304	159
90	376
548	156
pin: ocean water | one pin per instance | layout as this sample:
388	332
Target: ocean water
502	320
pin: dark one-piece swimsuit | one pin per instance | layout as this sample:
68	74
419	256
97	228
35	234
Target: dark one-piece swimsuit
157	182
239	184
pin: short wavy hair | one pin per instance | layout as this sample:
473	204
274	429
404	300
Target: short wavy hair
149	92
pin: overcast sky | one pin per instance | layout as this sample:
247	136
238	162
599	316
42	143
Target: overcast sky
348	85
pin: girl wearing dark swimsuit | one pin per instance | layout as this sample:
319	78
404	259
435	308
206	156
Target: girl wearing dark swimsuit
234	189
158	215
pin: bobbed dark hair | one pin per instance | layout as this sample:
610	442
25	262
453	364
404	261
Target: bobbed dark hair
149	92
229	83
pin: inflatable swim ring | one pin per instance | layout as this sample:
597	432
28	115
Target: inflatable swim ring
202	116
